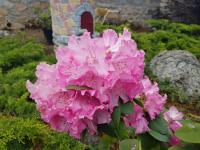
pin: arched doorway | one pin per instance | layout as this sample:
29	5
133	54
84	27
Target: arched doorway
87	22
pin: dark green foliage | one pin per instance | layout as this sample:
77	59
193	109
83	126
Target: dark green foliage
9	43
19	56
163	24
155	42
159	129
14	96
118	28
43	19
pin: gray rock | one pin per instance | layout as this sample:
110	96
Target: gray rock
181	68
4	33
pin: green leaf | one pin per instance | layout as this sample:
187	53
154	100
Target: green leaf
77	87
108	129
116	115
105	142
127	144
186	147
160	125
127	108
159	136
137	101
148	142
159	129
190	132
116	128
122	131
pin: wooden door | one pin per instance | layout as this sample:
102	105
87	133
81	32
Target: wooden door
87	22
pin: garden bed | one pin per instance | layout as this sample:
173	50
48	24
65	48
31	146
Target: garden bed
20	55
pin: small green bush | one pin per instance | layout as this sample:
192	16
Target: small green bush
24	134
43	19
19	56
118	28
163	24
155	42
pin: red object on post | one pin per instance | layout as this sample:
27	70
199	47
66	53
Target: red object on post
87	22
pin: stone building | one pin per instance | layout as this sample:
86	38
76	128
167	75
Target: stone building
14	13
71	17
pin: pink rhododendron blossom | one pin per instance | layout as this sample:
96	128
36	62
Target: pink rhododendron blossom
81	90
137	120
154	103
173	116
110	66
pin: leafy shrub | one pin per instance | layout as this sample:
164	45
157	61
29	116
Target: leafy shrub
19	56
23	134
155	42
118	28
167	25
43	19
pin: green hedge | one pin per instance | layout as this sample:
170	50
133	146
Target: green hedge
19	56
155	42
163	24
26	134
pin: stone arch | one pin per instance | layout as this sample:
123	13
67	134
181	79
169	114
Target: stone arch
85	7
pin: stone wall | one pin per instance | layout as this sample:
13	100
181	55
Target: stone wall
14	13
187	11
135	11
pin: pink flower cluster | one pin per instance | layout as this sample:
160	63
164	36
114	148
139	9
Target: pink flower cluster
173	116
153	105
100	70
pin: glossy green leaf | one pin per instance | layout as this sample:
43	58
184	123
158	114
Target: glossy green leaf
159	136
127	108
160	125
148	142
190	132
127	144
116	115
122	131
116	128
108	129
